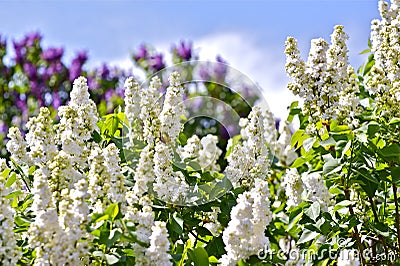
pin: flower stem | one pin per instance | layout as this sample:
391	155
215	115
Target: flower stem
397	213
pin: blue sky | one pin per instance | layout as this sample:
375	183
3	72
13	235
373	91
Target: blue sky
248	34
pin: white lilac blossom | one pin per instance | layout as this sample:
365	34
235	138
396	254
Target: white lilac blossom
16	146
106	182
157	253
279	145
244	236
43	231
40	137
132	101
141	214
150	111
384	76
3	164
324	80
191	149
172	110
144	173
204	151
316	189
62	174
209	153
169	185
9	251
99	181
73	215
270	132
117	179
294	187
249	160
238	165
283	148
77	123
86	108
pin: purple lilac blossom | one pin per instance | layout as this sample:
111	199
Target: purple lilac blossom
30	70
277	122
31	38
19	49
92	83
76	65
141	54
52	54
156	62
184	50
108	95
104	71
56	100
220	69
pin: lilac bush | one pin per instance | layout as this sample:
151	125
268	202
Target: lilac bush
34	76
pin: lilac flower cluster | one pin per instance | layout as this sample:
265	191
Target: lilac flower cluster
149	59
34	76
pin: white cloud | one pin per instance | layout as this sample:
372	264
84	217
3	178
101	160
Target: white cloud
260	63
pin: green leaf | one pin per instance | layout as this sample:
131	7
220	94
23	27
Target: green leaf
11	179
200	257
129	252
213	259
113	211
331	166
328	142
188	245
202	231
306	236
113	237
382	229
368	66
216	247
302	160
342	204
366	51
395	173
110	125
235	141
294	221
100	217
373	128
298	138
242	263
176	223
293	110
5	173
98	253
369	187
111	259
96	137
194	166
394	120
391	152
308	144
21	222
313	211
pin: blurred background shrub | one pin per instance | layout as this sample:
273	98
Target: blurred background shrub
32	76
